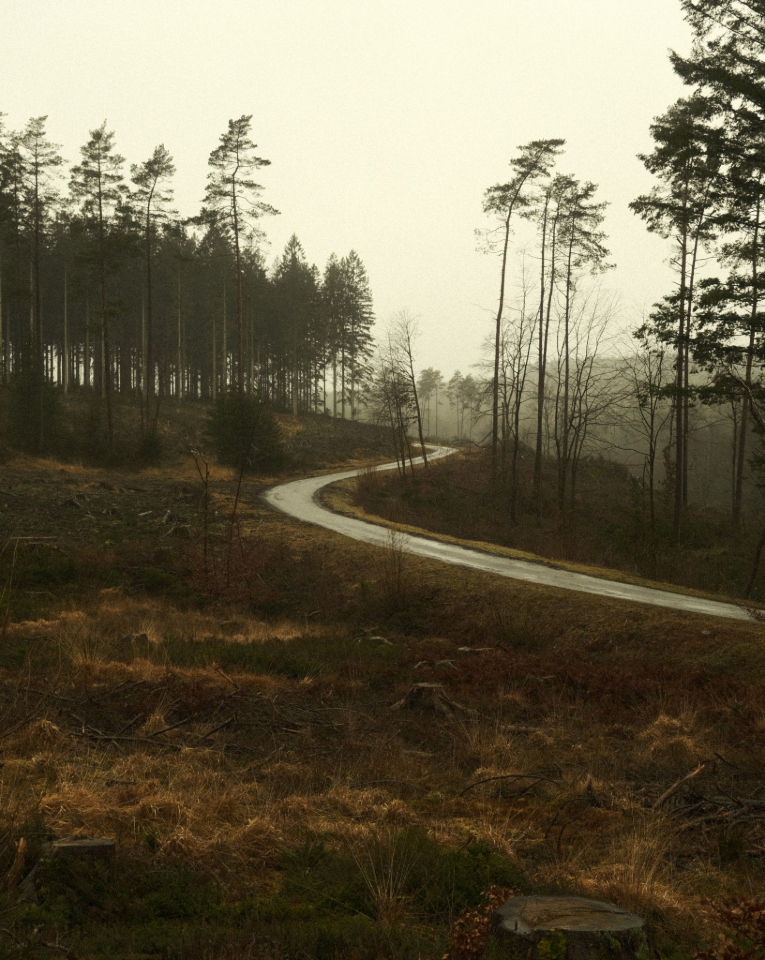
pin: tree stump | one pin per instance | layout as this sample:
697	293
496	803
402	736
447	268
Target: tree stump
567	928
431	696
87	849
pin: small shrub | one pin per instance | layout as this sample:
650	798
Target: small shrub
469	934
39	566
745	939
245	433
150	447
402	870
393	569
21	415
154	580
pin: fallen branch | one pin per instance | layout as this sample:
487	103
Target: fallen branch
129	724
380	783
172	726
47	693
676	786
510	776
33	539
57	946
228	679
115	738
709	818
20	724
215	729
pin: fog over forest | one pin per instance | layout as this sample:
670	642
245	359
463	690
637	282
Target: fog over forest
107	287
382	479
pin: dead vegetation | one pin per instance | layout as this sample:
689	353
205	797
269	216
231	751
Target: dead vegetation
254	747
217	745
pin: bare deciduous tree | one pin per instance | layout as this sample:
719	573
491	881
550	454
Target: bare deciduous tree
502	200
594	384
648	371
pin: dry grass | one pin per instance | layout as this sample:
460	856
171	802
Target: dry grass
223	730
320	752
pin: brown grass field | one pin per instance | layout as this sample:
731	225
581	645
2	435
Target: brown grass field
229	710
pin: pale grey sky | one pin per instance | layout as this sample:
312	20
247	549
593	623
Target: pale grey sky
384	120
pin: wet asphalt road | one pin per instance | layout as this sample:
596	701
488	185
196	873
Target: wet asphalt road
299	499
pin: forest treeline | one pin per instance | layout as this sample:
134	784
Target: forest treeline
555	379
104	286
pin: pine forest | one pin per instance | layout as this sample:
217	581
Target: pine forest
103	285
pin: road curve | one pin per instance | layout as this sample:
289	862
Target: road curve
299	499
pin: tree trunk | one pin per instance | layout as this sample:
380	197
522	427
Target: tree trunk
40	360
679	384
342	382
544	332
224	365
105	356
497	340
65	370
742	436
3	337
148	369
179	358
86	358
239	296
214	383
755	565
417	406
538	928
563	463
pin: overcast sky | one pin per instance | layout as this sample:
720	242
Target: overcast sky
384	121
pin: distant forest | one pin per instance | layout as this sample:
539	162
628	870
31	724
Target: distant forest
104	288
103	284
698	359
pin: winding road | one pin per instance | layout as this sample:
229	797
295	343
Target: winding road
299	499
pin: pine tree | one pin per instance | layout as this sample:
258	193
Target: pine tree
98	183
333	300
687	159
727	66
232	199
501	201
297	296
358	317
152	197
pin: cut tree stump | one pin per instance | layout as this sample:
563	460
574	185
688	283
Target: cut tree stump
431	696
567	928
90	850
87	849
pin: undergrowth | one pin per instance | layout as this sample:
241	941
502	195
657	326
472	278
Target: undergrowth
219	690
606	525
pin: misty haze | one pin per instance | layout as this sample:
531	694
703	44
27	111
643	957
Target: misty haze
382	457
